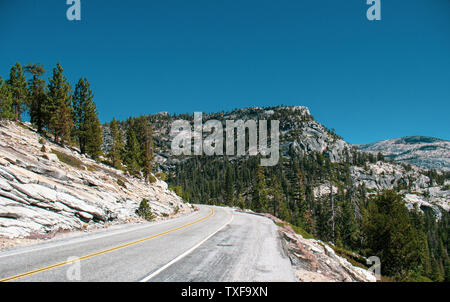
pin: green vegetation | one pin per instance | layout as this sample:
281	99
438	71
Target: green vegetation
145	211
413	245
407	241
297	229
151	179
121	183
117	150
71	117
68	159
353	258
19	92
52	107
6	101
58	109
87	128
163	176
37	96
92	168
138	152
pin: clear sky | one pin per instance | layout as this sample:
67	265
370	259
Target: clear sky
368	80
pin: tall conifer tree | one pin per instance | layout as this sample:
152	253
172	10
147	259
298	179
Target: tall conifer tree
87	127
132	153
37	96
148	151
117	145
6	112
58	108
18	84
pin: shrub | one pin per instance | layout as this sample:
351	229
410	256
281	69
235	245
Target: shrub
151	178
68	159
163	176
145	211
121	183
92	168
297	229
413	277
353	258
22	125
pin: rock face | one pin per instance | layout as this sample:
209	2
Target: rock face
426	152
300	133
420	190
316	261
40	194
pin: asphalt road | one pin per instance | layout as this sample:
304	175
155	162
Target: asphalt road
212	244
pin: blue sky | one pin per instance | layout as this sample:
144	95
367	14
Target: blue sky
368	80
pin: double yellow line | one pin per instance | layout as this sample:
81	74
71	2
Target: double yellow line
103	252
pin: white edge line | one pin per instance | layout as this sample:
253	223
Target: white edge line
160	270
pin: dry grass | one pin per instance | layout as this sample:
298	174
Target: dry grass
68	159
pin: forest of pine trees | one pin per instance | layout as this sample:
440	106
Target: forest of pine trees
69	117
132	150
411	245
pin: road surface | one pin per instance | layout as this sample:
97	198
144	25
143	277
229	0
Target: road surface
211	245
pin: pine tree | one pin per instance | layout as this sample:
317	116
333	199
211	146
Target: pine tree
241	202
259	194
58	109
436	271
299	199
117	145
277	205
37	96
145	211
229	190
94	139
87	127
63	124
390	234
18	84
349	227
132	153
147	153
6	100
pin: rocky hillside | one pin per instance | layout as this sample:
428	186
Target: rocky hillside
300	133
303	136
425	152
316	261
45	188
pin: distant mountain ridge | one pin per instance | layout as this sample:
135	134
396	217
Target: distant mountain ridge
422	151
302	137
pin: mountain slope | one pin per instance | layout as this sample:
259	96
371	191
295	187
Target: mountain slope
45	188
301	139
426	152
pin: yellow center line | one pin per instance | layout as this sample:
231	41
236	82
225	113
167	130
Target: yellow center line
103	252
